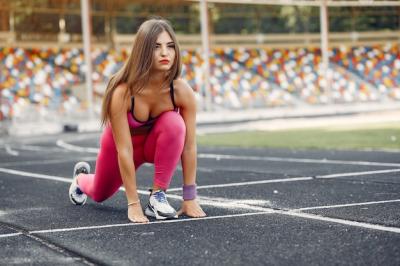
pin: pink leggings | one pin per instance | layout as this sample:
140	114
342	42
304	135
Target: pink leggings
162	146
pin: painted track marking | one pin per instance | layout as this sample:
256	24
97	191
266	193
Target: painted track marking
293	160
57	230
51	161
11	151
347	205
306	178
266	211
218	203
294	179
68	146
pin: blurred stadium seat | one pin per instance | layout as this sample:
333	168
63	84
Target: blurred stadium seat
240	78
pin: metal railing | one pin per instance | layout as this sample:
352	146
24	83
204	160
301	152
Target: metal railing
289	40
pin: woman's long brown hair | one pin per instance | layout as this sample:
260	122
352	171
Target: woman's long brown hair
136	71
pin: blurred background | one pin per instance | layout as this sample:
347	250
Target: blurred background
236	55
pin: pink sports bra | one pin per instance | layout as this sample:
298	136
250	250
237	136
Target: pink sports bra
135	123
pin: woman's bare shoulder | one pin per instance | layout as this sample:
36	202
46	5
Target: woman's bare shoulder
121	89
182	87
183	92
120	95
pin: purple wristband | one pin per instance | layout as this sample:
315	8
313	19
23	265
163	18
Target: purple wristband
189	192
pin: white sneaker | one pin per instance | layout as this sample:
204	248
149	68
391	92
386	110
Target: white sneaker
76	196
159	207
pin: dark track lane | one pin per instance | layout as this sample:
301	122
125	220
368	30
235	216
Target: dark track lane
38	204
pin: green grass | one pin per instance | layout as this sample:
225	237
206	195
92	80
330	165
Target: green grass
387	138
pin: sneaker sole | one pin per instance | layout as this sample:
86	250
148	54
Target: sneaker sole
76	167
73	201
149	211
80	165
76	202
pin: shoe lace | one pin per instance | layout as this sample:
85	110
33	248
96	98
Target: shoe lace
160	196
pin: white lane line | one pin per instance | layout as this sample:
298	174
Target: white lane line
341	221
154	222
292	160
39	148
11	151
266	211
58	230
71	147
293	179
54	161
234	204
34	175
90	136
216	202
347	205
10	235
237	184
68	180
297	213
205	201
68	146
360	173
16	147
220	202
199	169
50	177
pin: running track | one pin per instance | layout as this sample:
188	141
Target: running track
264	206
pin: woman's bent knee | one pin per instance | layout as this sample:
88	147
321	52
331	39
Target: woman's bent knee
172	121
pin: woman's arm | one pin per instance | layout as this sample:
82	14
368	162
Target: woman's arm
122	138
186	101
189	154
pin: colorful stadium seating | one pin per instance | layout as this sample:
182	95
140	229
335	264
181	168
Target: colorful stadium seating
240	78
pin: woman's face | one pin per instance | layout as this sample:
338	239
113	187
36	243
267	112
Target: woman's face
164	52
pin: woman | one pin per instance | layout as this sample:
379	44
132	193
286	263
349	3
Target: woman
149	115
